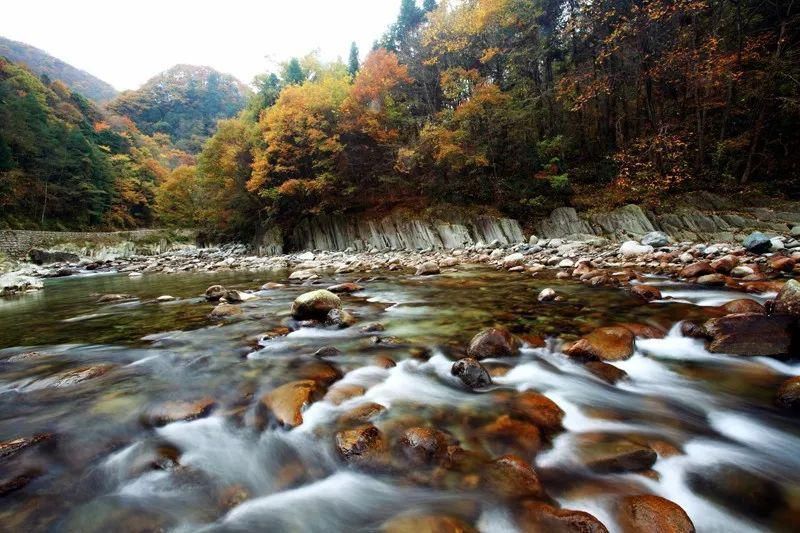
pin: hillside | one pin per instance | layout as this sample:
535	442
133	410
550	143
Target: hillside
184	102
64	163
42	63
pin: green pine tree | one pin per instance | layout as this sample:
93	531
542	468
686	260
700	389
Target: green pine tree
353	63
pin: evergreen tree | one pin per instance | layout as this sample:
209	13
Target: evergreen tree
428	5
293	73
353	63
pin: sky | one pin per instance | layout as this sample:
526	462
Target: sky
126	42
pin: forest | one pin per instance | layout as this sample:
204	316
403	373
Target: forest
513	105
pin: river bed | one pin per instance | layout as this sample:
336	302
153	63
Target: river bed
726	455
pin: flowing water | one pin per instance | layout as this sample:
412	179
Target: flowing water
727	456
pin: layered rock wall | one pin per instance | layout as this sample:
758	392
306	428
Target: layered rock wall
17	243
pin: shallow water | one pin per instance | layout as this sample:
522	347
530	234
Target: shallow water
104	470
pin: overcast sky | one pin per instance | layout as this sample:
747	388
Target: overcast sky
125	42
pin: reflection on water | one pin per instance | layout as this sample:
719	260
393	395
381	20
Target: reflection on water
105	469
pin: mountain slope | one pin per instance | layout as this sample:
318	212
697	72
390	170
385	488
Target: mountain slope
42	63
184	102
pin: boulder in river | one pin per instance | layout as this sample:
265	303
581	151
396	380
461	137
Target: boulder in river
743	305
788	395
741	490
788	299
12	447
315	305
613	343
427	523
423	445
537	409
713	280
493	342
696	270
215	292
115	297
286	403
345	288
224	310
632	249
341	392
235	296
339	318
429	268
647	293
363	446
648	513
471	372
725	264
782	264
607	454
608	373
750	334
169	412
75	376
547	295
43	257
508	435
513	260
538	517
757	243
511	477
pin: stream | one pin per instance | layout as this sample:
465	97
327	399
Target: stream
726	455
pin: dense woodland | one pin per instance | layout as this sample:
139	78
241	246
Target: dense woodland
514	105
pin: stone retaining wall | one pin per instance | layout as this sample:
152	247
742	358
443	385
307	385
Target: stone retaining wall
17	243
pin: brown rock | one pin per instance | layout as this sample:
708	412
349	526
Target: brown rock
782	264
743	305
611	454
76	376
652	514
693	330
362	413
493	342
345	288
343	392
286	402
788	299
224	310
424	445
215	292
646	292
645	331
715	280
537	409
360	444
169	412
321	372
427	524
384	362
696	270
18	481
606	344
725	264
750	334
788	395
12	447
539	517
315	305
606	372
534	341
506	435
106	298
511	477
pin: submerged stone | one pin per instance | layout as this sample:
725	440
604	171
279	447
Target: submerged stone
471	372
613	343
493	342
648	513
315	305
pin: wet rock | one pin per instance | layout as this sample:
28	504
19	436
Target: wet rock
693	330
696	270
339	318
361	414
42	257
315	305
14	283
539	517
757	243
513	260
606	372
345	288
374	327
422	445
272	285
750	334
15	482
648	513
634	249
788	395
215	293
426	524
473	374
738	489
656	239
788	299
165	298
547	295
75	376
743	305
782	264
303	275
493	342
11	447
537	409
715	280
507	435
107	298
647	293
169	412
287	402
428	268
322	372
232	496
363	446
384	362
512	477
725	264
343	392
234	296
613	343
644	331
607	454
533	341
224	310
327	351
742	271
